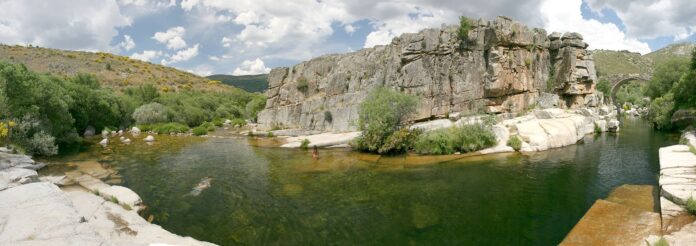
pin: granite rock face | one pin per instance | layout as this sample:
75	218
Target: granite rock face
502	67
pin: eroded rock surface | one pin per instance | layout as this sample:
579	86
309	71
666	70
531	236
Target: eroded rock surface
501	68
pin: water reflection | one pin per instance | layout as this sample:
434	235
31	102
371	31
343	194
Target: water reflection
263	196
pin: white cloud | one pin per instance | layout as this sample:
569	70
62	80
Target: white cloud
654	18
127	43
226	42
182	55
173	38
563	16
350	29
202	71
147	55
250	67
74	24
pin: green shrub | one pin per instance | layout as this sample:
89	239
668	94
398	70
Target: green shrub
240	122
208	126
382	113
30	138
660	112
269	134
515	143
438	142
328	117
661	242
691	205
604	86
467	138
304	144
399	142
218	122
474	137
302	85
199	131
165	128
151	113
597	129
465	26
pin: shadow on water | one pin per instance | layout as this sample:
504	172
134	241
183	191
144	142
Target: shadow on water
263	196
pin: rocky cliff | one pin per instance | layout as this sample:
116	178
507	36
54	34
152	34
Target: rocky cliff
502	67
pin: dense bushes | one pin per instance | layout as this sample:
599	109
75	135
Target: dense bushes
604	86
381	114
50	110
467	138
673	87
150	114
165	128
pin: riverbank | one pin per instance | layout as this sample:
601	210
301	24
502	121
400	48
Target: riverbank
82	211
539	130
647	214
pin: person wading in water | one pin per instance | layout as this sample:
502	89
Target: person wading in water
315	153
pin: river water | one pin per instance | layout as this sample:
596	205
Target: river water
261	195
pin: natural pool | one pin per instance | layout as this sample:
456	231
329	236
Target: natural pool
262	196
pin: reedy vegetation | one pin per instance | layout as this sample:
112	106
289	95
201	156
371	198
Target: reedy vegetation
50	111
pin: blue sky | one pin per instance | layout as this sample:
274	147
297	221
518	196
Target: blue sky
252	36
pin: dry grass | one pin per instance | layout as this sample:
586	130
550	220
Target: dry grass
123	71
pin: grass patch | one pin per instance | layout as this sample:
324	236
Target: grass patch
691	205
661	242
96	192
467	138
597	129
127	207
199	131
515	143
269	134
302	84
165	128
114	199
304	144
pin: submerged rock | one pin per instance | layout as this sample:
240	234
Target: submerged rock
89	132
149	138
204	184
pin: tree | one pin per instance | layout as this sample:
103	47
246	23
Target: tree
665	76
381	114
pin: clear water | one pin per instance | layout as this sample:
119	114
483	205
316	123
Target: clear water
262	196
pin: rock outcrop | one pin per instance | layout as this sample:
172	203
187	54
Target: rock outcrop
502	67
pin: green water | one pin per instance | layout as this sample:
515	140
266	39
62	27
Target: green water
262	196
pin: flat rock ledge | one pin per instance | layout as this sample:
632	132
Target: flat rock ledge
539	130
677	185
89	213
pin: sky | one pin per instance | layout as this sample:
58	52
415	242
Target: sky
242	37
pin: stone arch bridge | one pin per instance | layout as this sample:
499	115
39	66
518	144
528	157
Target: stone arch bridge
618	80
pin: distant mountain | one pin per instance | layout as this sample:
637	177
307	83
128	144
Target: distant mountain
112	70
250	83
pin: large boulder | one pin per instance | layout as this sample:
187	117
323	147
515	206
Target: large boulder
89	132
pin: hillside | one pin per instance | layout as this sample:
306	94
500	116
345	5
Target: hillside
112	70
250	83
609	62
682	50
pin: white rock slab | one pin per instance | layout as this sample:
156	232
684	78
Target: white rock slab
677	173
40	214
432	125
322	140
